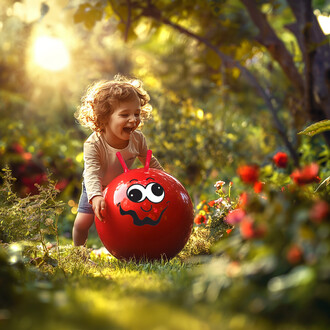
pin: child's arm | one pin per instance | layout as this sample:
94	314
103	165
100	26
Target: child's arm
92	177
154	163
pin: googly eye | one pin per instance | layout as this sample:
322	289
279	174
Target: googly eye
136	193
155	192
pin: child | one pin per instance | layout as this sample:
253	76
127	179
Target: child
113	110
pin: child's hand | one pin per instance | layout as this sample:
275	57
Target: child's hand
98	204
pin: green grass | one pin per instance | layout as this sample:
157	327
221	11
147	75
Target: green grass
105	293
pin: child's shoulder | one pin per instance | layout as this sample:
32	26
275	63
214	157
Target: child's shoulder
93	138
137	136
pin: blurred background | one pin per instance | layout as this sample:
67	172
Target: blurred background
198	61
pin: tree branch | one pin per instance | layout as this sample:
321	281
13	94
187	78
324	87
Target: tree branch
152	12
268	38
129	19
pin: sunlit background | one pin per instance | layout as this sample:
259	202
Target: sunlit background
53	60
324	22
50	53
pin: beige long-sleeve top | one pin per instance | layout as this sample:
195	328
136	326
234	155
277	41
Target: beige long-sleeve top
102	164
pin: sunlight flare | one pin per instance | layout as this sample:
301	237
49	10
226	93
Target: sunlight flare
324	22
51	53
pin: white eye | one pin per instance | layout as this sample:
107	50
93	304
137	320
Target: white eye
155	192
136	193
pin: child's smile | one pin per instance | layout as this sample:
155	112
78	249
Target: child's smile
129	130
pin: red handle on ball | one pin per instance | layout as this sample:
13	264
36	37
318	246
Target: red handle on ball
148	159
122	162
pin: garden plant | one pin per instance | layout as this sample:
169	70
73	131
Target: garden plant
255	257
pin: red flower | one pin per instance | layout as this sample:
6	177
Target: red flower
235	216
243	199
258	187
18	148
306	175
281	159
30	182
27	156
199	219
248	173
211	203
228	231
250	230
294	255
60	185
319	211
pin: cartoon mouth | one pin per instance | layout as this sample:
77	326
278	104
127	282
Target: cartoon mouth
146	221
146	210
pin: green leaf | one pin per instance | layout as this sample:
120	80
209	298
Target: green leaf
213	60
88	15
319	127
79	15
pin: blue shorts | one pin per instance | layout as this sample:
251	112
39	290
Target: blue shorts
84	206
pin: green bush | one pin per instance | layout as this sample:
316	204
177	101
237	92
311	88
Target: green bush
275	262
32	218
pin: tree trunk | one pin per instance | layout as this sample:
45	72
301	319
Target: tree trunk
316	54
314	85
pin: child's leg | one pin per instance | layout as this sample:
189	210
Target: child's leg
80	228
84	219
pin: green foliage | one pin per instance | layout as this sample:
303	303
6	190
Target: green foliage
31	218
210	225
275	261
316	128
313	148
199	243
9	279
88	14
187	137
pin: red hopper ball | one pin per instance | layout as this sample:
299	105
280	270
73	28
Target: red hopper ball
149	215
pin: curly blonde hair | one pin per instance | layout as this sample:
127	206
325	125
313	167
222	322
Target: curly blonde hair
101	98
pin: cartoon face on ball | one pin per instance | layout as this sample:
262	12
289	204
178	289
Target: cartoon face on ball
146	198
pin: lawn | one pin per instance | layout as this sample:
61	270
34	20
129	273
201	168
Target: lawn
91	290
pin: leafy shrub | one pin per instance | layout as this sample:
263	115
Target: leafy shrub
275	260
32	218
209	223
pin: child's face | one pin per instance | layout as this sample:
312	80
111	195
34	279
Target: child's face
122	122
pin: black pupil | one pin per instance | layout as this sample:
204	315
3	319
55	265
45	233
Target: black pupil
157	189
135	195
